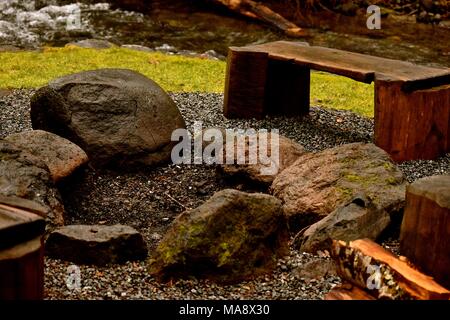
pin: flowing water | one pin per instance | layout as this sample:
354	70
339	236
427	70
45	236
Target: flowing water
170	27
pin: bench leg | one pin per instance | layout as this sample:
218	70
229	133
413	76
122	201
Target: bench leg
256	85
245	84
412	125
287	89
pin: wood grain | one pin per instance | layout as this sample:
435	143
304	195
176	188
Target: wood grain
413	125
426	227
399	280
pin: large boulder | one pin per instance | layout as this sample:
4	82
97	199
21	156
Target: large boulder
288	153
26	176
119	117
231	237
61	156
358	219
96	244
317	184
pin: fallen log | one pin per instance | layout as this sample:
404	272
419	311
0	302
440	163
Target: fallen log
426	226
347	291
368	265
255	10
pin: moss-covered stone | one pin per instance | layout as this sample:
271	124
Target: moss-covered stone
231	237
317	184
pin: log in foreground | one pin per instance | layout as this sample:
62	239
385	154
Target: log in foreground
347	291
368	265
21	250
426	226
261	12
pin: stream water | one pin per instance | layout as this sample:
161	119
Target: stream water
174	28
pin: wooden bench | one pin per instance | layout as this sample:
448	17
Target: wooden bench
412	102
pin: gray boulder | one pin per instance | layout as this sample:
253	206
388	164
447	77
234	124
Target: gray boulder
231	237
119	117
96	244
60	155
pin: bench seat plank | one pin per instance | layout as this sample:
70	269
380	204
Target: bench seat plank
360	67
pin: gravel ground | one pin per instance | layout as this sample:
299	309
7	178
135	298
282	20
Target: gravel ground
150	200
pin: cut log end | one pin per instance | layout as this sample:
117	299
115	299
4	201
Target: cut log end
347	291
368	265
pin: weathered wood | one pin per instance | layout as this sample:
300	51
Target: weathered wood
360	67
347	291
17	224
287	89
425	228
414	125
22	271
245	84
361	259
21	250
256	10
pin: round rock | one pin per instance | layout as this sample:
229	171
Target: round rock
119	117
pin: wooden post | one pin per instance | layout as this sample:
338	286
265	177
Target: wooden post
287	89
412	125
256	85
22	271
425	231
245	83
21	250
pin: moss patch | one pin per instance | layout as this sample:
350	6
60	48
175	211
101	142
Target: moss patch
174	73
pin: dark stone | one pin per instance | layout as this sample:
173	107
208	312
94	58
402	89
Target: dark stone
96	244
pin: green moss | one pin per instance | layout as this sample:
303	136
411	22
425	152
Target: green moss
353	178
344	192
174	73
225	254
388	166
391	181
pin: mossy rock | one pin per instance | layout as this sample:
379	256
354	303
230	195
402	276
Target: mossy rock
317	184
231	237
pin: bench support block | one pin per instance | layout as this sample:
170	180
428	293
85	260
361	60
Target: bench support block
412	125
257	86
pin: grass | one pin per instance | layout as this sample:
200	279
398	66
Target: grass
174	73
